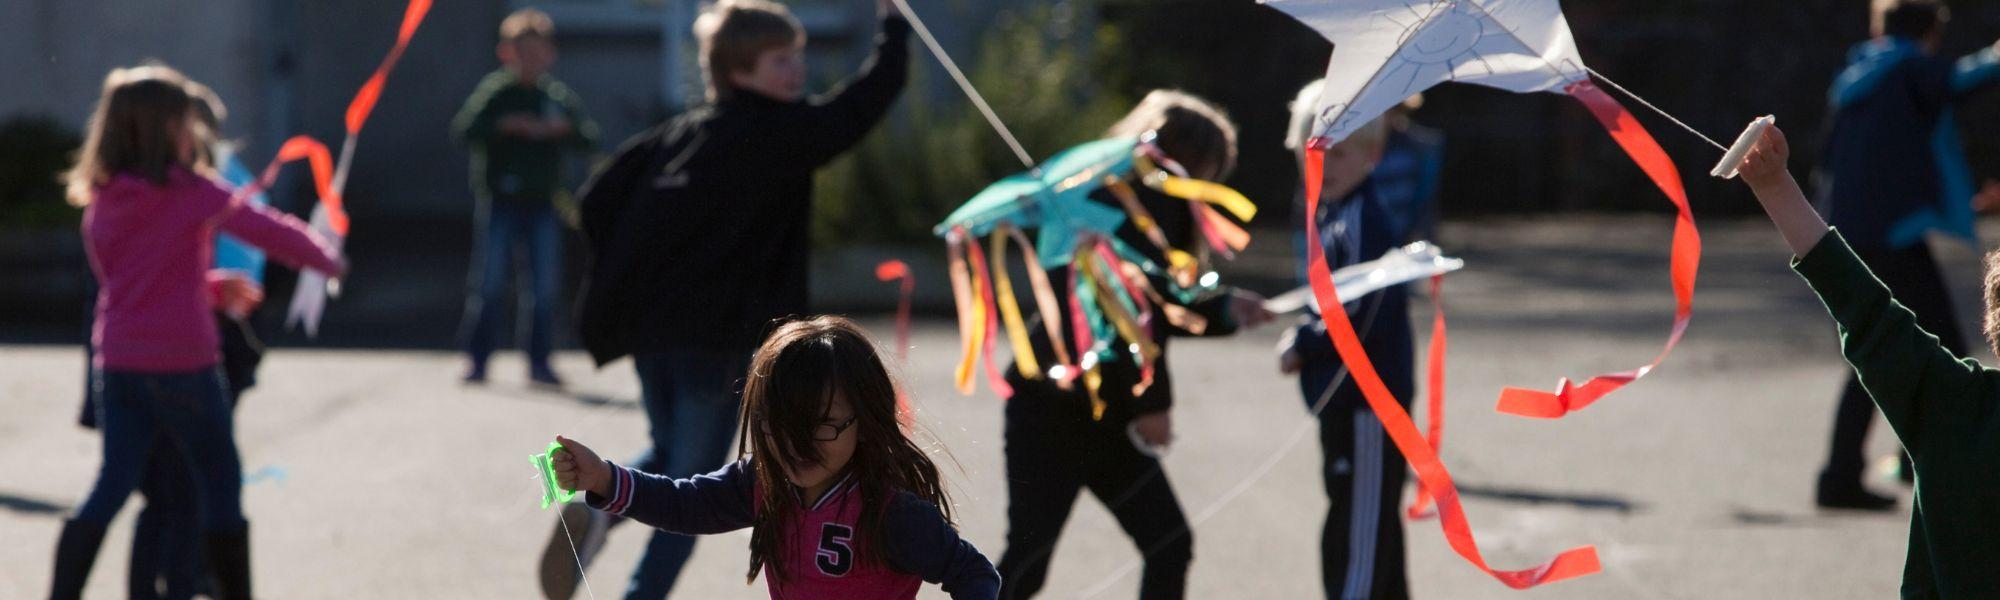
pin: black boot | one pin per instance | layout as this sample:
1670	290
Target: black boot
76	550
229	558
1846	492
142	578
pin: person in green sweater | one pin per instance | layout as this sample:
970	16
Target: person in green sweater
1942	406
519	124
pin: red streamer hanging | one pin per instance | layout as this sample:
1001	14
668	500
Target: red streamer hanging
1422	506
890	270
977	256
1686	257
1431	472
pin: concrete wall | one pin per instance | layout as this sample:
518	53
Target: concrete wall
54	53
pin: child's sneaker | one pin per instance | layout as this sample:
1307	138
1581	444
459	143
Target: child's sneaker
475	374
543	376
578	536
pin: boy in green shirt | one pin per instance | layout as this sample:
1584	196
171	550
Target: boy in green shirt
1940	405
519	123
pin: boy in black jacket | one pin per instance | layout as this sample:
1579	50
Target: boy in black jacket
697	234
1056	447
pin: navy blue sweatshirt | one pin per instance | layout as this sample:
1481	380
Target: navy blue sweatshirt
920	542
1354	230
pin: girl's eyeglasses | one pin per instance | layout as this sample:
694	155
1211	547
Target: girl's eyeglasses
827	432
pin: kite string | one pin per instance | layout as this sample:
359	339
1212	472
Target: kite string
964	84
1642	101
571	538
1256	475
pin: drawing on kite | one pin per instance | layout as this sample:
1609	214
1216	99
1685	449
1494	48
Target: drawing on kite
1386	50
1449	32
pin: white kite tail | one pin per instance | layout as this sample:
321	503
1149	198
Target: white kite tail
309	297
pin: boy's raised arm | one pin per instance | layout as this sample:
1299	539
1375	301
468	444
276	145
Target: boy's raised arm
1905	370
837	120
1764	170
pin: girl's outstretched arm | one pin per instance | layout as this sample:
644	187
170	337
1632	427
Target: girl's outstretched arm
703	504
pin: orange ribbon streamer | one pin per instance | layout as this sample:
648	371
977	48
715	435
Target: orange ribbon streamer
316	156
1686	257
305	147
364	100
968	317
1396	422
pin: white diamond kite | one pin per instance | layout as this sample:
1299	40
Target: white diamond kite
1386	50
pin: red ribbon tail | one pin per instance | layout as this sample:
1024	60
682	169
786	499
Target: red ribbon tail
1685	258
1421	507
1396	421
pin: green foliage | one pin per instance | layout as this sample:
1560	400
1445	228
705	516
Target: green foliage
906	176
34	151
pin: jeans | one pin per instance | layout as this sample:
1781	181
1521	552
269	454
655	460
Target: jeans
184	413
691	401
501	228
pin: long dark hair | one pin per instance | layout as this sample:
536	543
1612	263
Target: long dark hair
793	376
135	129
1191	130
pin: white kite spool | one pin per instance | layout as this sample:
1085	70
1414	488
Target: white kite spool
1731	160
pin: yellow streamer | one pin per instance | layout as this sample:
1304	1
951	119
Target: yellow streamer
1045	298
1010	311
1140	218
1187	188
1091	381
1209	192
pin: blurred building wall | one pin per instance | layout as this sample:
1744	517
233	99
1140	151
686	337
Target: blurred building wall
290	67
54	53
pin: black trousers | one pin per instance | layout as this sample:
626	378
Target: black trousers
1912	276
1361	541
1054	450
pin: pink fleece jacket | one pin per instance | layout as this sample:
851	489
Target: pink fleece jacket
150	246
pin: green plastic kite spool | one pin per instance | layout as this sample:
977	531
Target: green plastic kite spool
551	494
